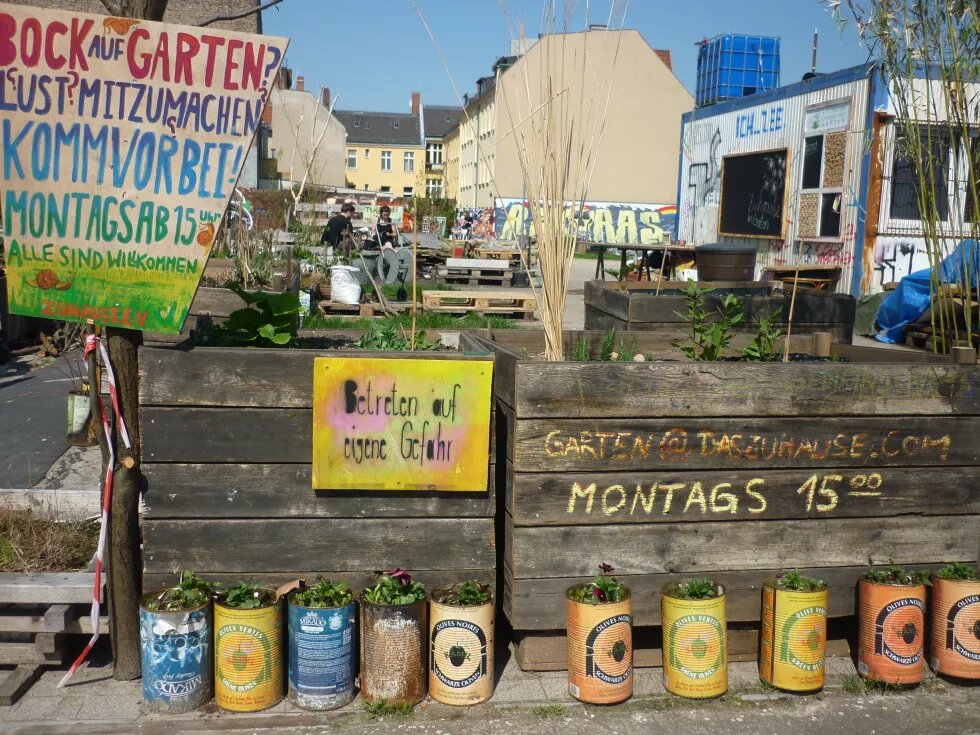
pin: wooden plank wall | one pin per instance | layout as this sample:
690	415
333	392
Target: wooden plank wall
227	455
732	470
633	310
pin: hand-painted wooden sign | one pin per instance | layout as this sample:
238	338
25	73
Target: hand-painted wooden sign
122	143
389	424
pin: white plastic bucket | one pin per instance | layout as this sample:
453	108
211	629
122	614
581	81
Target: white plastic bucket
344	288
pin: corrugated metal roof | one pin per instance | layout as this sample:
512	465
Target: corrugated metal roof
391	128
439	120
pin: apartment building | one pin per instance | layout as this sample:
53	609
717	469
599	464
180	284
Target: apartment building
437	121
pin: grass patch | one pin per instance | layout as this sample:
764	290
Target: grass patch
424	320
30	542
374	710
549	710
766	686
856	684
591	255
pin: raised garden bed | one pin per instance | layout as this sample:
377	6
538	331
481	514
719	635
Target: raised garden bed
227	455
634	307
733	470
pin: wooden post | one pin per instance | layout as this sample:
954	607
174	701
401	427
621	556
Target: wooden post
963	355
789	320
822	342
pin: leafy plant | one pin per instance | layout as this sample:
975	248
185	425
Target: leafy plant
190	592
465	594
549	710
608	346
247	596
394	587
627	352
271	323
897	575
323	594
707	340
957	572
700	588
581	351
600	590
763	347
383	336
796	582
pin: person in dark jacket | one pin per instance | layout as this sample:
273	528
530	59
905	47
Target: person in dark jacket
339	231
384	228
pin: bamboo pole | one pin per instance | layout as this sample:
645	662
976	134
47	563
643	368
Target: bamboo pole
415	273
789	321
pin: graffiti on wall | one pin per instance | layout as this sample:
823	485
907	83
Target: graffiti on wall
480	224
896	257
601	222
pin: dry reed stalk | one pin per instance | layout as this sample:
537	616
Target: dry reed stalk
31	542
789	320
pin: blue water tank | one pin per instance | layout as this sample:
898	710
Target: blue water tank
733	66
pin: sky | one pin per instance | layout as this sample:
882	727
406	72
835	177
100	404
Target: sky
375	53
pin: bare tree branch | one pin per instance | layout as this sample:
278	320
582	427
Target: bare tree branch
242	14
112	7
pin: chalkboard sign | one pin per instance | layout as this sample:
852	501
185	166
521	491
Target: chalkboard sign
753	188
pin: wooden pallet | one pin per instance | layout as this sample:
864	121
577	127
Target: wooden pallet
485	302
37	615
335	308
511	255
477	272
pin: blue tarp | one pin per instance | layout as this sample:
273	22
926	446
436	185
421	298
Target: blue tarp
912	298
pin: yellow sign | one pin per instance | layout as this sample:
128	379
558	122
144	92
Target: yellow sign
390	424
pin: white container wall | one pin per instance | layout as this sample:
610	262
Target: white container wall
834	107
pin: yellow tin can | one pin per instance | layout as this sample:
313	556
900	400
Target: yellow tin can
794	638
460	652
694	643
600	651
247	657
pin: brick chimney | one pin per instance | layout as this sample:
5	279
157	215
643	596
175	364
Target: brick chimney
325	97
416	102
664	57
267	111
300	84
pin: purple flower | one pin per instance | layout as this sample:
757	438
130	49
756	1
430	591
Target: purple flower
403	577
599	594
606	568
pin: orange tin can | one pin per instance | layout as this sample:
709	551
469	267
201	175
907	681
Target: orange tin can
956	627
600	651
891	623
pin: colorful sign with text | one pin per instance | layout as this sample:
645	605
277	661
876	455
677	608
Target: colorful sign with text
390	424
122	143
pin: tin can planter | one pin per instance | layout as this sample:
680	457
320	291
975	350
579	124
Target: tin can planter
461	644
695	644
891	631
175	647
600	643
248	654
955	623
794	636
321	650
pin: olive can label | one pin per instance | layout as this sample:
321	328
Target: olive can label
956	628
461	654
248	658
794	638
890	641
695	647
600	652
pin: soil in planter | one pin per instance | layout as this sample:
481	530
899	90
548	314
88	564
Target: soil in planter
32	542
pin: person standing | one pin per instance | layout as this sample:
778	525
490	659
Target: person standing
339	231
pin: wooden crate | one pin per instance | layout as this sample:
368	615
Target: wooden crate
632	307
669	470
227	455
502	303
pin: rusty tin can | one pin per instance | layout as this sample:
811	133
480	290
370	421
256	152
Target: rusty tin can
393	652
891	620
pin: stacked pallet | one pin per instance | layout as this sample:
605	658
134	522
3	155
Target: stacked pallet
477	272
501	303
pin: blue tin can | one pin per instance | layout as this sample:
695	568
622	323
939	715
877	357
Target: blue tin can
321	656
176	655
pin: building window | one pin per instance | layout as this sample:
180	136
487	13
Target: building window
367	154
386	160
821	184
367	125
433	154
357	123
352	158
409	162
433	188
396	124
385	189
448	118
407	192
933	168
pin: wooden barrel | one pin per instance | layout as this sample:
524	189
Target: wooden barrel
176	657
891	631
600	651
726	262
321	655
460	652
247	657
794	638
955	623
393	660
695	645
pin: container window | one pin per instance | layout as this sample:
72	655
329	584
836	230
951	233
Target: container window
812	162
830	215
917	162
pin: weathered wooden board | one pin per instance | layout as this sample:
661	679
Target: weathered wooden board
619	445
61	504
571	551
218	491
268	378
539	604
277	545
596	319
670	496
565	390
431	579
17	682
268	435
46	587
14	621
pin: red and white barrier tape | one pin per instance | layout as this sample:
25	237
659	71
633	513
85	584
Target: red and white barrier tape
92	343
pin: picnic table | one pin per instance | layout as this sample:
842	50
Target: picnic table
675	255
817	277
